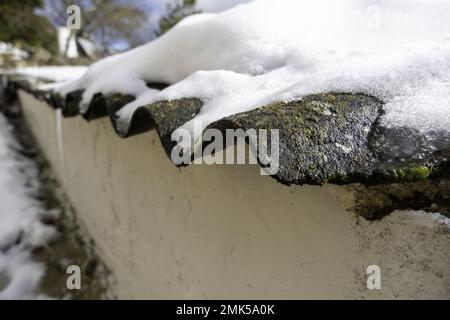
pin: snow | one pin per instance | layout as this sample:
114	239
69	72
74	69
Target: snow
53	73
58	75
21	228
9	49
264	51
216	6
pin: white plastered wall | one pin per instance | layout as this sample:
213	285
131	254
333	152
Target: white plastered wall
224	231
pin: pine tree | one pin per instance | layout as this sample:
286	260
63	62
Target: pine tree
20	25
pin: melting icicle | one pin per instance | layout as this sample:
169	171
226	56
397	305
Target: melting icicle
59	139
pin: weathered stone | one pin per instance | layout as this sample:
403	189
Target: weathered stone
324	138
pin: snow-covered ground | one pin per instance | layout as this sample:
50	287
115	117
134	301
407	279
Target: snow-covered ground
266	50
9	49
21	228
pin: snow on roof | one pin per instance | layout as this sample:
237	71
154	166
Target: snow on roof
398	51
272	55
53	73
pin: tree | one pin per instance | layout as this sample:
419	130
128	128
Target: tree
176	12
20	25
107	22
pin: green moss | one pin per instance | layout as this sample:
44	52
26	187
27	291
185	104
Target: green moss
330	137
407	174
415	173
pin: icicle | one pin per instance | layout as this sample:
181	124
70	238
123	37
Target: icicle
59	138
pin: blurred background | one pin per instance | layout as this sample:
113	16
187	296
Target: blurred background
34	32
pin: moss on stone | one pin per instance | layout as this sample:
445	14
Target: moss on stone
324	138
